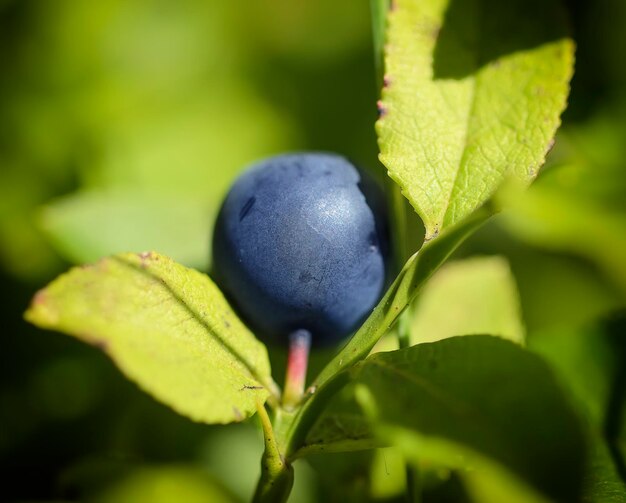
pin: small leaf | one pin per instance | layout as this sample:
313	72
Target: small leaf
482	395
474	91
341	428
472	296
167	327
90	225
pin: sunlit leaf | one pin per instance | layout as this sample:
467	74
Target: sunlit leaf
473	94
472	296
167	327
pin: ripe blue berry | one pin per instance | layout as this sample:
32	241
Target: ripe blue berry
300	243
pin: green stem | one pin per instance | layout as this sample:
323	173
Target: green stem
379	10
404	328
276	479
413	484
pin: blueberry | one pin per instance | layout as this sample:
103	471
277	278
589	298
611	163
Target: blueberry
301	243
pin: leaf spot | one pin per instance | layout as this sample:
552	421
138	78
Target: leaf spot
144	257
39	298
382	109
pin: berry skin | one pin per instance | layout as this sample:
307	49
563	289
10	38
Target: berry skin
298	246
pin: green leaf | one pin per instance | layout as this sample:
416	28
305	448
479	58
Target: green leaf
341	428
556	218
589	363
474	91
578	205
406	228
586	363
472	296
479	397
166	484
168	328
90	225
387	474
559	290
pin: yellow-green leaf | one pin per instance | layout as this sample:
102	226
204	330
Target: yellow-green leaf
168	328
473	94
472	296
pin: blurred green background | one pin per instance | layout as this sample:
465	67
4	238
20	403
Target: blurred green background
122	123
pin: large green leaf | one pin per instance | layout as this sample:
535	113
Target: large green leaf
89	225
477	396
167	327
473	94
472	296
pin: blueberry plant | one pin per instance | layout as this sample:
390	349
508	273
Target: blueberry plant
470	103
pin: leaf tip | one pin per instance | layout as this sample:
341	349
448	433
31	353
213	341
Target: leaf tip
432	231
39	312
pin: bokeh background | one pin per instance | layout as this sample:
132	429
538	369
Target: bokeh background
122	123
